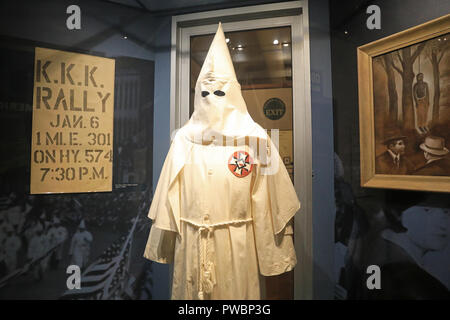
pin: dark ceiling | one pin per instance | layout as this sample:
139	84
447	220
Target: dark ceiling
174	7
341	11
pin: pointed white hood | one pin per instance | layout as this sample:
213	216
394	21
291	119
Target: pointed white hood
219	108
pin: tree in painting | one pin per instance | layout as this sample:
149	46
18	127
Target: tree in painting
411	88
387	63
435	52
407	57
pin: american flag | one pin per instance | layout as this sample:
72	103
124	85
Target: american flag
106	278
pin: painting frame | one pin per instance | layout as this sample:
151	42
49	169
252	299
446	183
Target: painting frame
365	56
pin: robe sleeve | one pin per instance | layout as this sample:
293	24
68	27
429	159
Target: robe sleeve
274	204
165	209
160	245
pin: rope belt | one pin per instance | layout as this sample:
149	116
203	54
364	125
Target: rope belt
207	275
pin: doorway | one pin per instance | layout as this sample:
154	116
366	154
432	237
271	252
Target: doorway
269	46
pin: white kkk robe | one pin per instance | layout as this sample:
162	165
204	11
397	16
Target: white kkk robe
221	211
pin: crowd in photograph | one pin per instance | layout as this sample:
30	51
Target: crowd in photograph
38	232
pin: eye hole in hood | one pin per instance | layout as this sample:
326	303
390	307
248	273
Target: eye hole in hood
204	93
219	93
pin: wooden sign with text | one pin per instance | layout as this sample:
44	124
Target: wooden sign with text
73	114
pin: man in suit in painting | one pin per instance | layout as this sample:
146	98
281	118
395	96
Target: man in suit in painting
393	160
435	153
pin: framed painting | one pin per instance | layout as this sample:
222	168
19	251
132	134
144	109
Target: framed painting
404	109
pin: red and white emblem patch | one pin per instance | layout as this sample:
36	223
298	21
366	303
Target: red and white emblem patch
240	164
